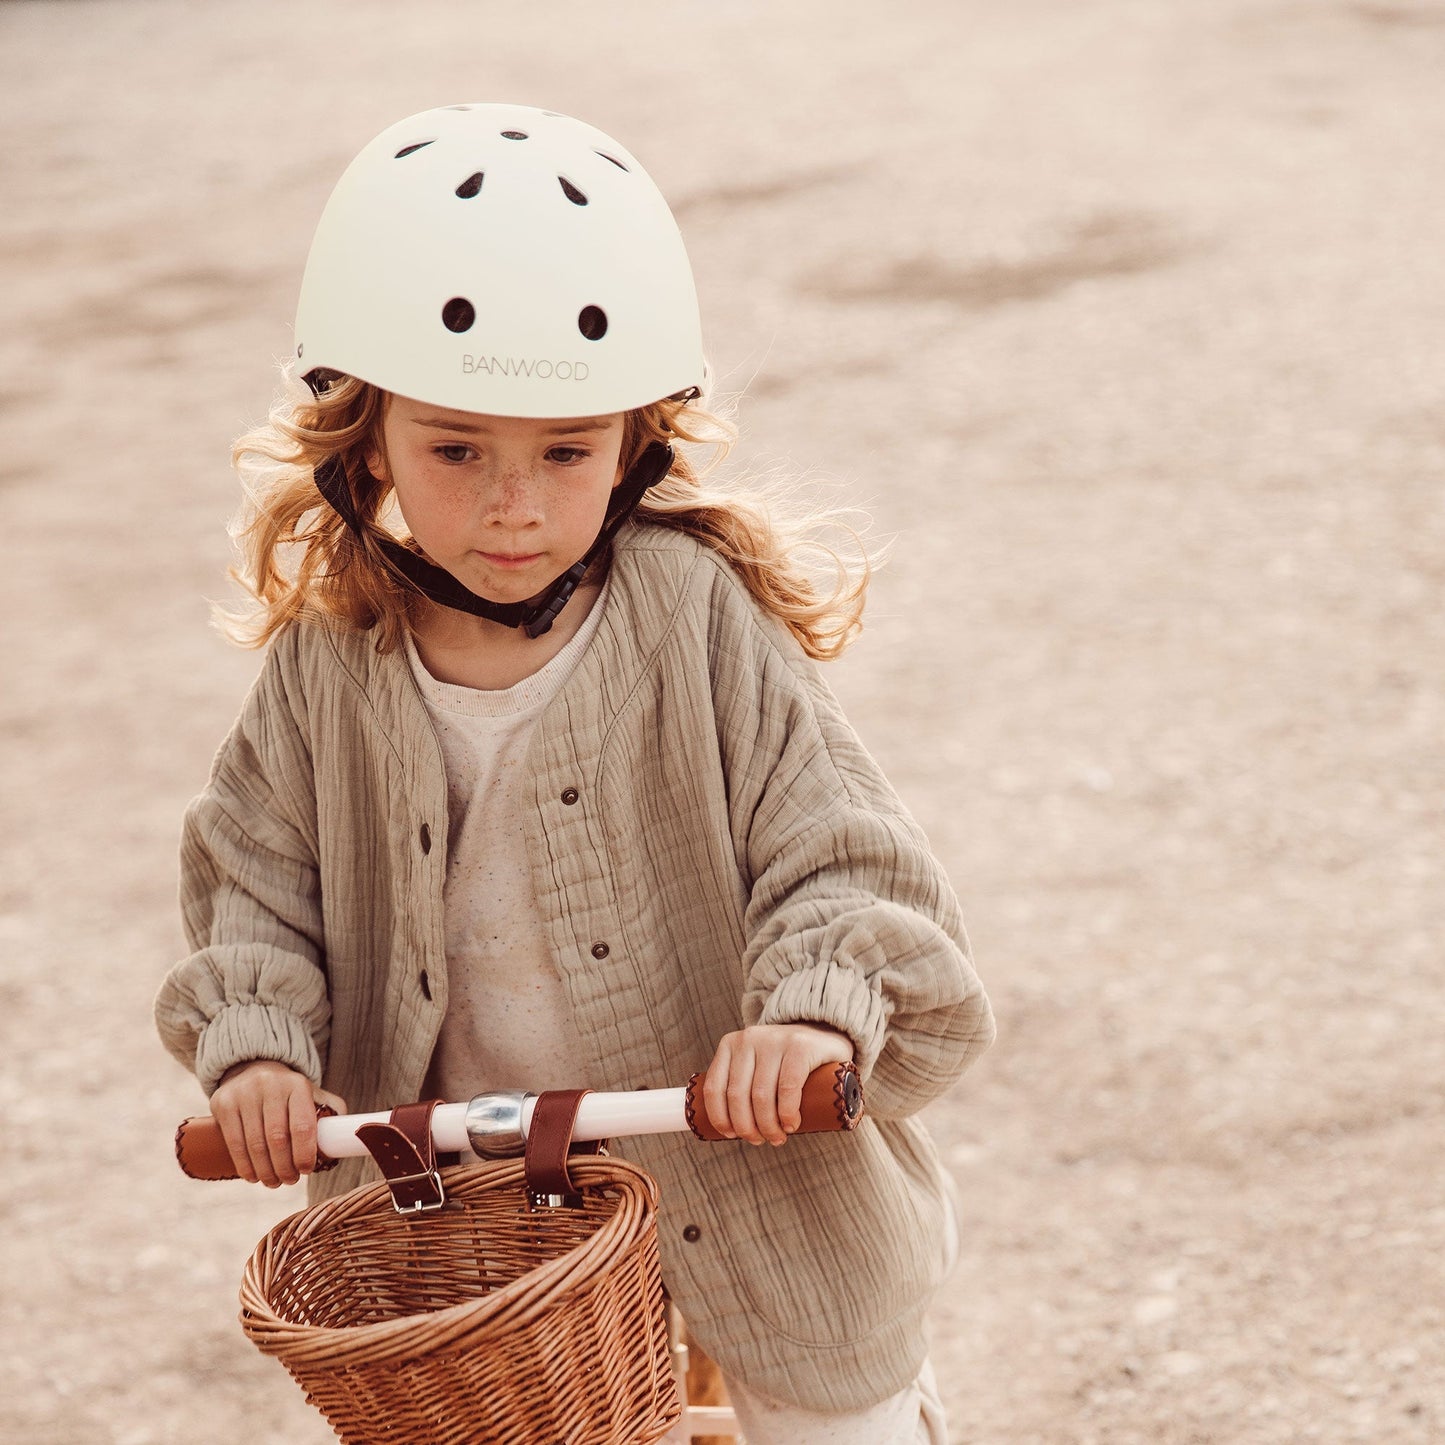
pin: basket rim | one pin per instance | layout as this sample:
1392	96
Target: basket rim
514	1304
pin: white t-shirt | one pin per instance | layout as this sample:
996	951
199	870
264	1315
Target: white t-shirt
508	1023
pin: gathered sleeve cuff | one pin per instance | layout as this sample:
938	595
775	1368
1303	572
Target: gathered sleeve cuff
230	1005
835	995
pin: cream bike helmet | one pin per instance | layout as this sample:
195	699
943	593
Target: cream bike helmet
505	260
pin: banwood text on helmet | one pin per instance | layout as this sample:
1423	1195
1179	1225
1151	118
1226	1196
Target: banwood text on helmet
501	259
504	260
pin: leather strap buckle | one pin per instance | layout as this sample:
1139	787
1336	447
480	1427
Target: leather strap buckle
404	1152
432	1194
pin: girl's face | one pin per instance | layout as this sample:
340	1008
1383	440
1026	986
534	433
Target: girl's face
505	504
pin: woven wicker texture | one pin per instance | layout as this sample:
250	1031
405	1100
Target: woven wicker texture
487	1322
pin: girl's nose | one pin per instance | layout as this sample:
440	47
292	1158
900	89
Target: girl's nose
512	500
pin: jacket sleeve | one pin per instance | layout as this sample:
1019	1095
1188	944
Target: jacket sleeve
851	921
254	985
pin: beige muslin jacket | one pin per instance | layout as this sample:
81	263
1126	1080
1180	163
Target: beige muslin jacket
702	808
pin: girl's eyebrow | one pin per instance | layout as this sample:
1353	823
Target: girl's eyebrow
564	429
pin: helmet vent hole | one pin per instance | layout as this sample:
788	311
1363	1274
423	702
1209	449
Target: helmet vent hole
407	150
592	323
571	192
514	135
470	186
613	159
458	314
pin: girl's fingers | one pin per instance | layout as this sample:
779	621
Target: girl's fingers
234	1133
764	1100
741	1069
714	1090
276	1141
303	1131
753	1089
268	1120
791	1078
253	1121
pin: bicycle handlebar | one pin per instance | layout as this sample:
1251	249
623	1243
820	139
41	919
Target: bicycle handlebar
494	1125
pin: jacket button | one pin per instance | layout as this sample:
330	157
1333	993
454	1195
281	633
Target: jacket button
600	950
570	796
692	1234
424	837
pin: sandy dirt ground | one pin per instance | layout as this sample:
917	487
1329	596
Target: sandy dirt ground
1125	321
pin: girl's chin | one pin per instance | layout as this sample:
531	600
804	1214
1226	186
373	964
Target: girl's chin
506	580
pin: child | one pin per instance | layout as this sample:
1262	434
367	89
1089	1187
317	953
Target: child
539	786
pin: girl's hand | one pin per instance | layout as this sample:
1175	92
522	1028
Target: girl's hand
753	1089
267	1114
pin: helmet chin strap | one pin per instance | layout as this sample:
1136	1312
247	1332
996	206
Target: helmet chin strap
537	616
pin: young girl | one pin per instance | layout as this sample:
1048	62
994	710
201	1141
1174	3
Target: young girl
539	786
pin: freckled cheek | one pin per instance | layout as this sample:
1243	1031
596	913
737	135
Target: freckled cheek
454	501
433	510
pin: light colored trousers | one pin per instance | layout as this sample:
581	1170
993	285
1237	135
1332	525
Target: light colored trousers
914	1416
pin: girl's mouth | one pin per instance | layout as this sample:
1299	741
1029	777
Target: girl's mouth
506	561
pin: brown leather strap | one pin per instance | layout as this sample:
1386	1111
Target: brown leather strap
404	1152
549	1139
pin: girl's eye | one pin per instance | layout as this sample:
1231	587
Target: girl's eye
454	452
567	455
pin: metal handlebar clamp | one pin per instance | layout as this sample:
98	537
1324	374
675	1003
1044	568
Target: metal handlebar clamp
494	1123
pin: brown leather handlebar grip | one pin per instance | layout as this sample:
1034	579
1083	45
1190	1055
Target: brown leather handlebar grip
832	1102
202	1153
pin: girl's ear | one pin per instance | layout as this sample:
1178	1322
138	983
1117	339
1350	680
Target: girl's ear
627	444
376	463
375	453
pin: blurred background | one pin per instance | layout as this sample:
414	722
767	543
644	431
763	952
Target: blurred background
1123	320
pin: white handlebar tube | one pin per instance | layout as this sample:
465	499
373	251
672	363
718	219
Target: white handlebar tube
599	1116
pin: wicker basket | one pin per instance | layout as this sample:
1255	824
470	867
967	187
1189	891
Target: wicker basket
487	1322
